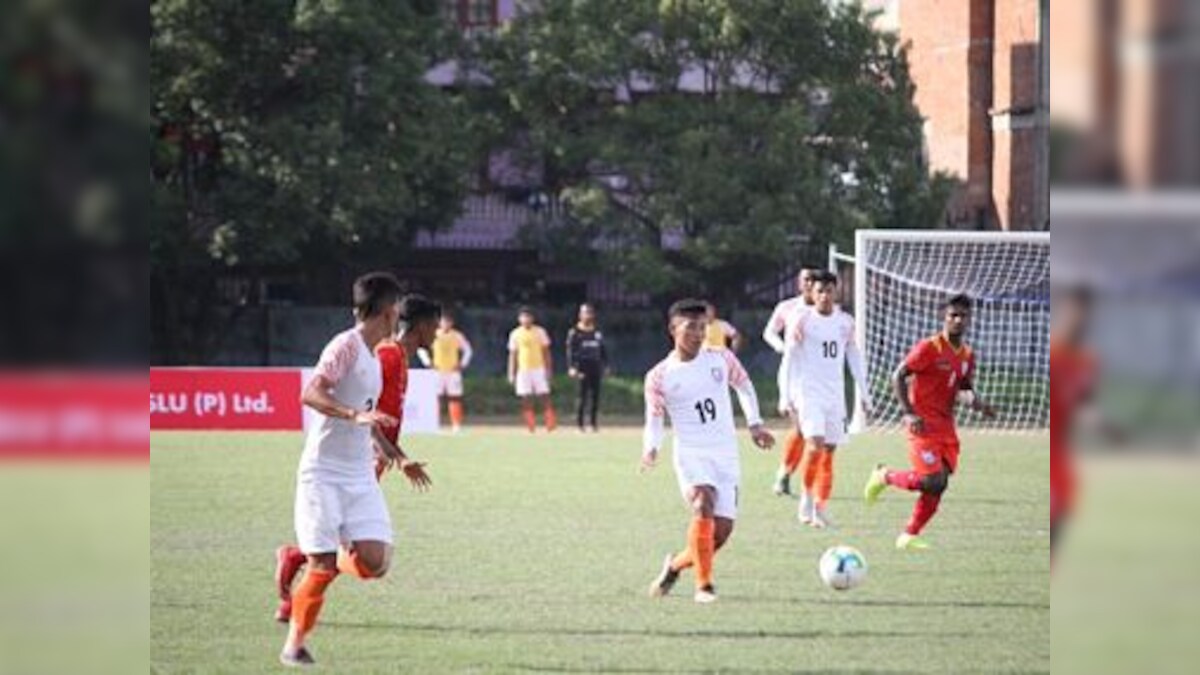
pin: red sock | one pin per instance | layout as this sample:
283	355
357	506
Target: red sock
551	418
905	480
530	418
923	510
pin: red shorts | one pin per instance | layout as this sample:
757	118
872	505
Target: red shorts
929	454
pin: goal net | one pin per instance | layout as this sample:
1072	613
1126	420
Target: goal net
901	278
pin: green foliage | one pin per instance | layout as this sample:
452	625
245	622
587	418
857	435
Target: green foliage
798	123
293	132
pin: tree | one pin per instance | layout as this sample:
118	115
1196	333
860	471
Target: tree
292	133
694	141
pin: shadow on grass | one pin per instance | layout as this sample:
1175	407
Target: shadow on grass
490	631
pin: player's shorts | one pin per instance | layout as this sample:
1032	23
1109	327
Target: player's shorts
723	473
450	384
328	514
929	454
532	382
781	379
823	417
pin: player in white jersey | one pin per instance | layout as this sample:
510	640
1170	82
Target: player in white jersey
774	334
342	521
692	386
820	346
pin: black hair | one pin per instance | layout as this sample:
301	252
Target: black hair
961	301
688	307
525	309
415	308
825	277
813	269
373	292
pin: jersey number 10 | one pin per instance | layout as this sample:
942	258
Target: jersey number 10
707	410
830	349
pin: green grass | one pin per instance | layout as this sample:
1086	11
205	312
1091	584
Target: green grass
533	554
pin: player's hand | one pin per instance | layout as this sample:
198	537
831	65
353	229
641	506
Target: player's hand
649	460
573	373
761	437
985	409
415	473
368	418
914	423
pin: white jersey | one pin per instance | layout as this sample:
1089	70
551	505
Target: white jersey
695	394
774	331
338	450
818	347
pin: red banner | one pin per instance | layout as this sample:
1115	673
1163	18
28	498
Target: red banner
61	415
225	398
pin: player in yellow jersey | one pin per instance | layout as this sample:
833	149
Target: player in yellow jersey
719	333
451	354
529	368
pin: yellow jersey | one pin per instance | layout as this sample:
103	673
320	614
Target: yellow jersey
528	344
450	350
716	334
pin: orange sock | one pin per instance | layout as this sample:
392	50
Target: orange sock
530	418
307	599
793	447
824	477
702	546
811	466
348	562
456	412
551	418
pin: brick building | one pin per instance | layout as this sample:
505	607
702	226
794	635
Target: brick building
980	67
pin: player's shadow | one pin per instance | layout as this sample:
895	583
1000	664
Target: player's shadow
490	631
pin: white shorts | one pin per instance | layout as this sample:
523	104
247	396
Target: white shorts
450	384
723	473
781	379
330	514
532	382
825	418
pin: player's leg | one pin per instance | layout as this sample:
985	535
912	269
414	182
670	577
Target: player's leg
581	401
594	378
319	513
368	528
790	455
289	560
454	400
365	559
824	487
814	444
700	546
542	388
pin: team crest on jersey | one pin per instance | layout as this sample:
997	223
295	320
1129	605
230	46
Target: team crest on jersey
928	457
718	374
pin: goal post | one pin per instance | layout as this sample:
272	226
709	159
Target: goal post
902	277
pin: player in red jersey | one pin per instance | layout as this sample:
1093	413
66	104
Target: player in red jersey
941	369
417	328
1072	382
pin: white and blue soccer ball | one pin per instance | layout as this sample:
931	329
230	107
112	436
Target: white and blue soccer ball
842	568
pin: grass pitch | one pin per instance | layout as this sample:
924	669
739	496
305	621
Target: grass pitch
533	554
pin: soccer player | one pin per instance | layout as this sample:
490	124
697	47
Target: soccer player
451	355
820	346
529	368
939	367
342	522
1072	384
587	360
692	386
793	442
720	334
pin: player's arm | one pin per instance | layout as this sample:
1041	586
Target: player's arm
572	351
412	470
424	357
734	337
512	358
748	401
652	432
900	388
464	346
973	399
334	363
773	331
858	370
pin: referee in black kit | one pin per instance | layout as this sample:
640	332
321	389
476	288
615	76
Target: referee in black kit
588	361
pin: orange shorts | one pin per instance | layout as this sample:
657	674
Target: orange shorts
930	454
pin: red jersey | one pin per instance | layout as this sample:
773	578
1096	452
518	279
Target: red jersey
1072	377
938	371
394	363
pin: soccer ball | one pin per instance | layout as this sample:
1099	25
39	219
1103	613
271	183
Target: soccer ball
842	568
